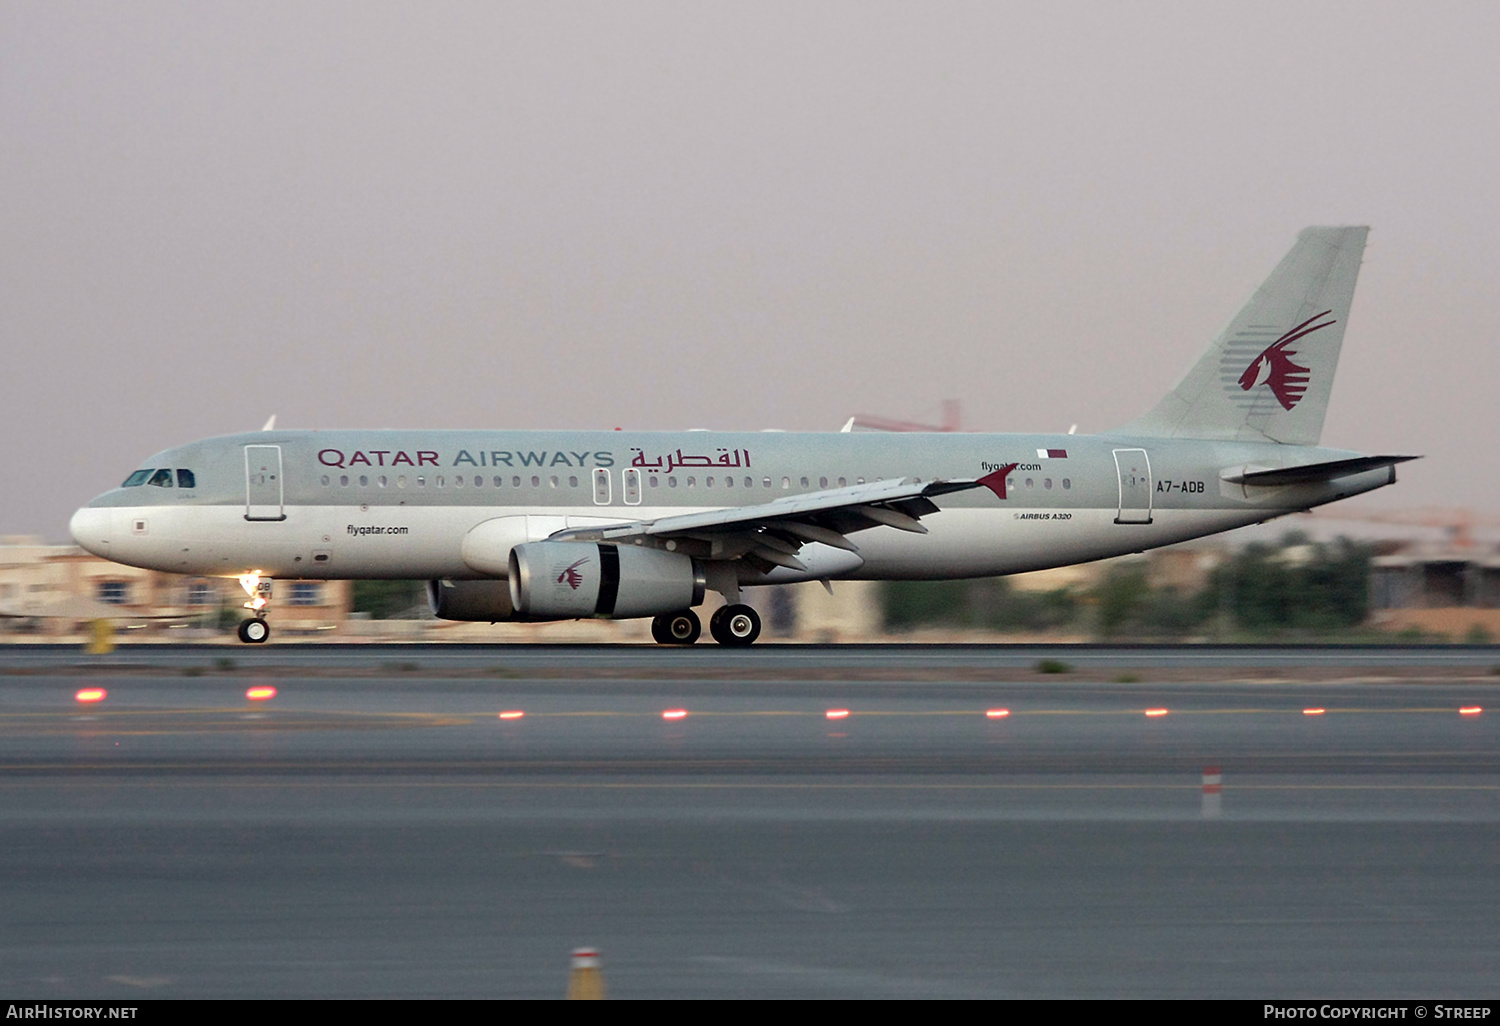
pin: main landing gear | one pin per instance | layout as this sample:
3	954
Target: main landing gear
733	625
255	630
676	628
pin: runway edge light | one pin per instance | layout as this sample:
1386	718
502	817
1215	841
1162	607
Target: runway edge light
585	981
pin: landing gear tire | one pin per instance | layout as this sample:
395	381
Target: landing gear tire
676	628
254	631
735	626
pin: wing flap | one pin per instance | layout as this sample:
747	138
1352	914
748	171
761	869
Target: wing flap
824	516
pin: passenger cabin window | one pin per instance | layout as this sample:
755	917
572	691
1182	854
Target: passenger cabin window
162	479
185	479
136	479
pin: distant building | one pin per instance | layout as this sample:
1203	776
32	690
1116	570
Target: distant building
1438	589
56	590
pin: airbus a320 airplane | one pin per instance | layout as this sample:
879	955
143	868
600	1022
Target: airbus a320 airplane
554	525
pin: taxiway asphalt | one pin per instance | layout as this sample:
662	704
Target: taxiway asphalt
810	832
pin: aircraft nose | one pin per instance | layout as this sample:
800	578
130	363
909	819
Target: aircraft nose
90	529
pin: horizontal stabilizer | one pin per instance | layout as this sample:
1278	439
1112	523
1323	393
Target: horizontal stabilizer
1314	472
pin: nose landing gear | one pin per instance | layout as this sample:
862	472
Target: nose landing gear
255	630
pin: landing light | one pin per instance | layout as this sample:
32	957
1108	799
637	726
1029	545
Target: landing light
1470	710
261	693
836	714
997	714
674	714
1316	711
91	695
1156	712
512	714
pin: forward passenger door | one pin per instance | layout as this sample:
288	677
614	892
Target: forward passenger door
265	493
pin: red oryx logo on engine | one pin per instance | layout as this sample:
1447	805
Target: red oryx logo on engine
571	575
1274	366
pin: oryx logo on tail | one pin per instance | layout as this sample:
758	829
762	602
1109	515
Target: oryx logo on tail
1274	366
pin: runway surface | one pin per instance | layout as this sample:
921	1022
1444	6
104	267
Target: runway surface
798	830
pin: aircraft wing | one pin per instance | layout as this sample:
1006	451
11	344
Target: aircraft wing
771	533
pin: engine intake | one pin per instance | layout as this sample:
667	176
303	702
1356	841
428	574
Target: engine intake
615	582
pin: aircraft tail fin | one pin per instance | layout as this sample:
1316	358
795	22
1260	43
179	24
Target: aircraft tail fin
1269	373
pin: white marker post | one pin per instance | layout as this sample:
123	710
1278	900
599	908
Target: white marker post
1213	798
585	982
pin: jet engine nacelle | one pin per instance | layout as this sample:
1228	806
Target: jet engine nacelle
482	601
577	579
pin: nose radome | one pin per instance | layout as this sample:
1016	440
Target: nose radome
90	529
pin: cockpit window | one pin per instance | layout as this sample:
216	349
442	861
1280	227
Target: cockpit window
185	479
162	479
138	478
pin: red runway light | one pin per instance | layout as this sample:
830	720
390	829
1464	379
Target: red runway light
91	695
1156	712
1314	712
836	714
1470	710
512	714
674	714
997	714
260	694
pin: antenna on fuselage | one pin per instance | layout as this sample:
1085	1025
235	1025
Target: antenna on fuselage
270	425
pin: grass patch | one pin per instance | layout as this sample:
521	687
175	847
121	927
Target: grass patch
402	667
1053	666
1127	678
224	664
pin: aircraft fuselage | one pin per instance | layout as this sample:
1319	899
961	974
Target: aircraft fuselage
399	504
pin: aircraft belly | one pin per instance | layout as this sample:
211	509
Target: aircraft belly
984	543
412	542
